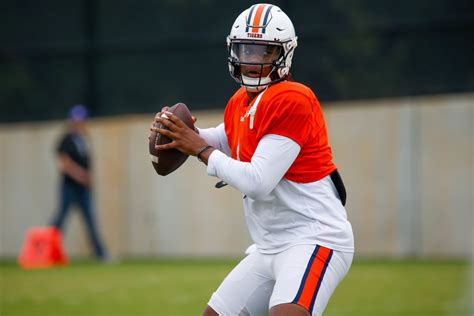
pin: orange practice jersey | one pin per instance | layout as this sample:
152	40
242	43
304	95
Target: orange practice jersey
288	109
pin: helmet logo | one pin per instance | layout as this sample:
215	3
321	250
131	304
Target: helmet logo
254	35
255	22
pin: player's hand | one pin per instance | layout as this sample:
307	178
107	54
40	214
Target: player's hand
183	138
159	114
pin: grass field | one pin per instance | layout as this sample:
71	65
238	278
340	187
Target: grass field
182	287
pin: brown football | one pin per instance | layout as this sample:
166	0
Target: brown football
167	161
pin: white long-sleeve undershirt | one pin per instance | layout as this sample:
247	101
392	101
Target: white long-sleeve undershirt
281	213
272	159
216	137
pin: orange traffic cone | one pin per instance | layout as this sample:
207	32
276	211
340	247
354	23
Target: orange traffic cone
42	248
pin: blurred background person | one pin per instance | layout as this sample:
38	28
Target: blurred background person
74	162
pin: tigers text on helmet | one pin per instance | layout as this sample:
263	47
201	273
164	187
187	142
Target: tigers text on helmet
261	44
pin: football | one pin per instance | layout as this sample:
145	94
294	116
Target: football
167	161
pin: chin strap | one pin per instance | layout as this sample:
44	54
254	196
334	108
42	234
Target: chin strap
257	84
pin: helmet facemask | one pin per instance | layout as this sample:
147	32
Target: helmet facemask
256	65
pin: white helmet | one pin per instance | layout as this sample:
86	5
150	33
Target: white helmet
262	30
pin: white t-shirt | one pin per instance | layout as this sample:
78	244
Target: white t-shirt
280	213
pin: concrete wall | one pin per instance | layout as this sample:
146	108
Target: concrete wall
407	164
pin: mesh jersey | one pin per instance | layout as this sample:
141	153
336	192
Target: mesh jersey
304	207
288	109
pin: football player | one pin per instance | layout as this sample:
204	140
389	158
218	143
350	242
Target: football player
273	147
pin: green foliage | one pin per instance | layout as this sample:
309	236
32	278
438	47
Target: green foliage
182	287
121	57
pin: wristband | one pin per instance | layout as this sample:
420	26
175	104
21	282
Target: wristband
201	150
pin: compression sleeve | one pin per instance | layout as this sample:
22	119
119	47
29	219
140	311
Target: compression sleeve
257	178
216	137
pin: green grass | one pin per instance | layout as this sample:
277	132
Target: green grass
182	287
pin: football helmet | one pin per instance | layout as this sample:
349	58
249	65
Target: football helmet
262	39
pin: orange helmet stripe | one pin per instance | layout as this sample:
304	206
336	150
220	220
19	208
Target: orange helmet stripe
257	18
